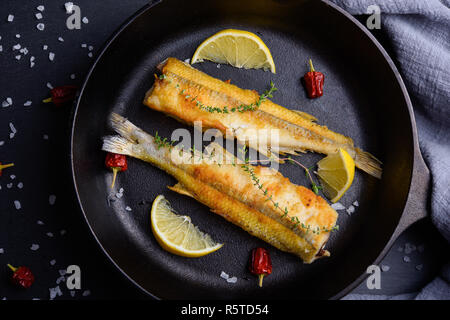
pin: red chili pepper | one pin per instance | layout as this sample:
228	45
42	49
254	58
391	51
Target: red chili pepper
22	276
4	166
117	162
62	95
314	82
260	263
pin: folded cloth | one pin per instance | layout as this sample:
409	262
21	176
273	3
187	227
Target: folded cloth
419	32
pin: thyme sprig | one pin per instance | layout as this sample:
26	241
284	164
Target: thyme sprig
226	109
163	142
256	181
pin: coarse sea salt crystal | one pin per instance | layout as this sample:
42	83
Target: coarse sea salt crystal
385	268
40	8
86	293
51	199
18	36
20	185
18	57
2	143
27	103
44	47
85	20
1	48
338	206
17	46
34	247
52	262
12	177
60	39
72	293
11	125
232	280
9	185
49	234
17	204
90	55
83	45
62	272
49	85
2	251
40	222
38	16
224	275
419	267
187	60
32	64
72	76
60	279
51	56
356	203
5	104
128	208
10	18
40	26
350	209
90	48
406	259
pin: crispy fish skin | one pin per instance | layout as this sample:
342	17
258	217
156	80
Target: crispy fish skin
178	93
228	190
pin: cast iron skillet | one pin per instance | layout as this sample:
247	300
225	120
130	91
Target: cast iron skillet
364	98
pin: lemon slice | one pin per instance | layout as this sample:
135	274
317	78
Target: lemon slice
241	49
177	234
336	173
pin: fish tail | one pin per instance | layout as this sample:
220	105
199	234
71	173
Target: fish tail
368	163
128	130
117	144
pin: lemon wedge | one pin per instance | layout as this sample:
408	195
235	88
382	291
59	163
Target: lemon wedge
336	172
241	49
177	234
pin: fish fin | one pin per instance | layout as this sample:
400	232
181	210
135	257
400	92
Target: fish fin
127	130
178	188
368	163
117	144
305	115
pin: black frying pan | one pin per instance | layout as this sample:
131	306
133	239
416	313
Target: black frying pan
364	98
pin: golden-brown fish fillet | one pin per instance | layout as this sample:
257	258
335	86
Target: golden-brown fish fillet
229	191
181	89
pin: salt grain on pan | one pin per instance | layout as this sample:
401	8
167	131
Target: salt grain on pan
72	76
18	57
72	293
85	20
90	48
385	268
419	267
18	36
38	16
224	275
5	104
128	208
232	280
1	48
60	39
12	177
406	259
9	185
49	234
338	206
86	293
49	85
2	143
51	199
10	18
32	64
187	60
20	185
60	279
34	247
44	47
17	204
51	56
40	8
62	272
83	45
356	203
16	46
52	262
350	210
27	103
40	26
90	55
2	251
40	222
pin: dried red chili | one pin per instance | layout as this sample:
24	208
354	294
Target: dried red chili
314	82
4	166
22	276
62	95
260	263
116	162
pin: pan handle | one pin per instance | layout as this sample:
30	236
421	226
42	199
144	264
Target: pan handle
416	204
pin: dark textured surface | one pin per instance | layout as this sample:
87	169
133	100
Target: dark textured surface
77	246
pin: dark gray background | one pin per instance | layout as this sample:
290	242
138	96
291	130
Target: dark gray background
42	165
